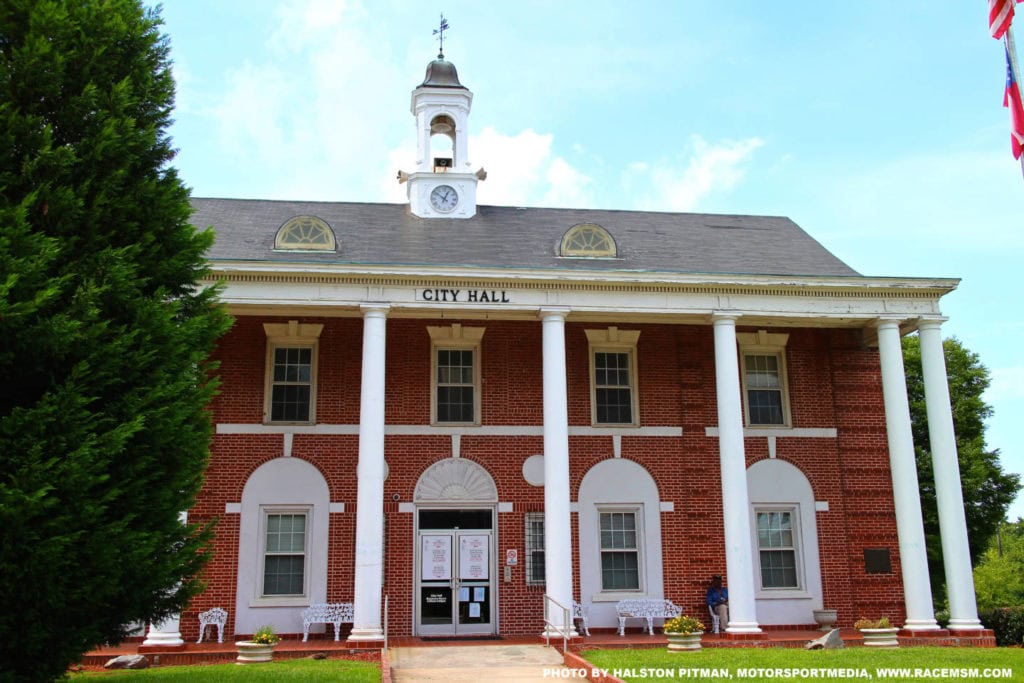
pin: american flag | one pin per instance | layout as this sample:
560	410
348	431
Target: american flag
1012	100
1000	15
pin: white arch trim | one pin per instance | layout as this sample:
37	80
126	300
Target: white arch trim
779	484
285	484
617	483
455	480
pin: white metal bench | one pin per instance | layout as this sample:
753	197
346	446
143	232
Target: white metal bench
213	617
645	608
327	613
579	613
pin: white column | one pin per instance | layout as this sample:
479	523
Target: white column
165	634
557	520
370	497
956	555
733	462
917	589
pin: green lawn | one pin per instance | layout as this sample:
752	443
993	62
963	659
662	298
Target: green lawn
280	670
785	664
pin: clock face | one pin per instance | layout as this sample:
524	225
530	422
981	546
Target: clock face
444	198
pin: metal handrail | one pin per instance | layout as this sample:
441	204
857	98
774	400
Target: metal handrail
385	623
549	625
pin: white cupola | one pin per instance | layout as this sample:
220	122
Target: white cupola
442	186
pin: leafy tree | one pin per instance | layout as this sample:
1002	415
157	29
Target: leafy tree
987	490
104	434
999	578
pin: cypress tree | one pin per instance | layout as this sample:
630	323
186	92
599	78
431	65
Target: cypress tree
105	330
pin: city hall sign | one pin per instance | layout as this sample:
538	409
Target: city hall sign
467	296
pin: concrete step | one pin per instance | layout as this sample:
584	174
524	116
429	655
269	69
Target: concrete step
505	663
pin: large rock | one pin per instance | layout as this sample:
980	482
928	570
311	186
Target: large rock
128	662
829	641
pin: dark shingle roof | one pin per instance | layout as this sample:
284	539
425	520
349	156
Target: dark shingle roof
510	237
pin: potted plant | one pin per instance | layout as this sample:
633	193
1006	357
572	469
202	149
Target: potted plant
683	633
877	632
258	649
825	618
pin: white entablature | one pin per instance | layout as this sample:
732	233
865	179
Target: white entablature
803	302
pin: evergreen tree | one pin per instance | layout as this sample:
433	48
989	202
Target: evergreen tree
105	332
988	491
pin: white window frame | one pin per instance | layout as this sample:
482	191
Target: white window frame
531	549
456	338
800	590
291	335
277	599
614	340
764	343
638	521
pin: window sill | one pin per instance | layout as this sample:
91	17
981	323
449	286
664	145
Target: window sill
283	423
782	594
288	601
616	596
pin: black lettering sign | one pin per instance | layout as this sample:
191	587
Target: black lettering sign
472	296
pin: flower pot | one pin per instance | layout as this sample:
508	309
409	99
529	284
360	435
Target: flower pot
825	618
684	642
880	637
250	652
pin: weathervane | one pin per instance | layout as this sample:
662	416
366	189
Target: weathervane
439	32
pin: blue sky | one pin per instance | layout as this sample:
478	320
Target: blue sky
877	126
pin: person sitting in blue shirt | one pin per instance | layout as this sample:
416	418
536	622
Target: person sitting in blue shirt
718	602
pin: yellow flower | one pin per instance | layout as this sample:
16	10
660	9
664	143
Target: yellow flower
265	636
684	625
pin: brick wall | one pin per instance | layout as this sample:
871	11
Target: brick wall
834	382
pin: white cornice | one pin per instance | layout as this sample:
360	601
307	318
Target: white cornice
278	289
423	276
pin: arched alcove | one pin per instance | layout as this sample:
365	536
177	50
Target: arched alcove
618	486
283	488
778	489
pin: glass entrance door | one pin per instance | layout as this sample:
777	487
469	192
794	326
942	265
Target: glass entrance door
455	574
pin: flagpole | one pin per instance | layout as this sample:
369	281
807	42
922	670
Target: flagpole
1011	51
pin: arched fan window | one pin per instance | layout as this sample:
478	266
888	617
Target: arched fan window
587	240
305	233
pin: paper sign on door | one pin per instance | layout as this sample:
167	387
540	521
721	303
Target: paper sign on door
436	557
474	557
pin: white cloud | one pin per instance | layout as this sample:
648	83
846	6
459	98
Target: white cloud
522	170
313	115
680	184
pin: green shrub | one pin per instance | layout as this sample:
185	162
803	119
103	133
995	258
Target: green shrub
1007	622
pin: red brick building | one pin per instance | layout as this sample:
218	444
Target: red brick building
465	408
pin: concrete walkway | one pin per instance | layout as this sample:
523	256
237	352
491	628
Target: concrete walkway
505	663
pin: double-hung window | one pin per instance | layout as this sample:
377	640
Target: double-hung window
291	390
777	548
535	549
613	385
291	372
765	389
284	553
620	550
455	368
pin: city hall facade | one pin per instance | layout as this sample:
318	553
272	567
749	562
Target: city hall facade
457	410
